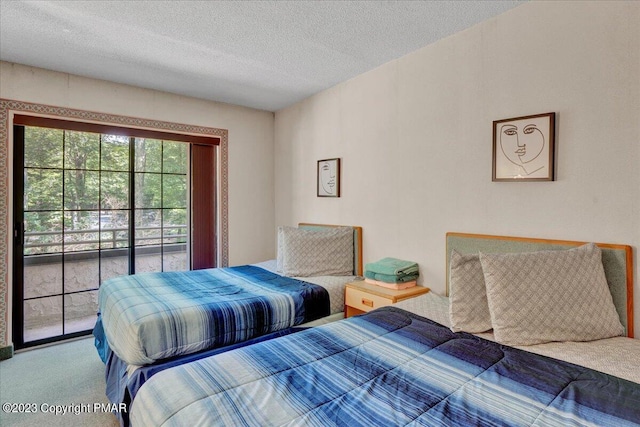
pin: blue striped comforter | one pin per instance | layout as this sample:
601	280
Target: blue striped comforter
385	368
154	316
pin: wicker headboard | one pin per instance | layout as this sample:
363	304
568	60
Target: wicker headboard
616	259
357	242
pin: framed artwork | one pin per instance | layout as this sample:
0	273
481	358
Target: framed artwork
329	178
523	148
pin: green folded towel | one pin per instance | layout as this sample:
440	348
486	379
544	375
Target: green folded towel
387	278
392	267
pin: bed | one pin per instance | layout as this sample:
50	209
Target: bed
409	365
151	321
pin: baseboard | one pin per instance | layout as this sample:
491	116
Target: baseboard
6	352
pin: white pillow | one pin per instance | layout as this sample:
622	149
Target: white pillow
537	297
316	252
468	307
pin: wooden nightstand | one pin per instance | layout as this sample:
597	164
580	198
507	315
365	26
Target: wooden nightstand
361	296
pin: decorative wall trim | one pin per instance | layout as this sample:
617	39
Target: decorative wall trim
7	107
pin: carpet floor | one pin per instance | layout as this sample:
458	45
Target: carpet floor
67	376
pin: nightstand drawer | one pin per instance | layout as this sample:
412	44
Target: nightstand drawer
361	296
364	301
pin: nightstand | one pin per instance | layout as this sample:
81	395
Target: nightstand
361	296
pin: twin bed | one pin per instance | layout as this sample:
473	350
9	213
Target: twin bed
149	322
404	365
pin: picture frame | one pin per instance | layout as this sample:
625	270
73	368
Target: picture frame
524	148
328	178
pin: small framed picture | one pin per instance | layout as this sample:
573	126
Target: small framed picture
523	148
329	178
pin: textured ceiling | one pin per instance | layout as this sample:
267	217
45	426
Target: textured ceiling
260	54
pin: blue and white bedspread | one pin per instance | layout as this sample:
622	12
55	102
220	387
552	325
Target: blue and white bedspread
154	316
386	368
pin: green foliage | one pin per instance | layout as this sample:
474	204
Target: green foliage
81	150
43	189
148	155
115	153
84	178
174	157
43	146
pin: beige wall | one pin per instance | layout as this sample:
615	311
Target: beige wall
415	137
250	148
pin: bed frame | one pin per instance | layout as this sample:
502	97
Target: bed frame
357	242
616	259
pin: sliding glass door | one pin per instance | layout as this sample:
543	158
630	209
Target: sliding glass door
88	207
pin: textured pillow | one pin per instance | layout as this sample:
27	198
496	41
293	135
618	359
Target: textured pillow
468	307
545	296
316	252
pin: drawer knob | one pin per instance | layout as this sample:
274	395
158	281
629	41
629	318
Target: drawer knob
367	302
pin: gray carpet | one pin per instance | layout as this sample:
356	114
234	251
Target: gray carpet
69	374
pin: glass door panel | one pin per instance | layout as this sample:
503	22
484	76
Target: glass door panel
63	190
42	195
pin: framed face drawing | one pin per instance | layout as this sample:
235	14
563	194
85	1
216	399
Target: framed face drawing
523	148
329	178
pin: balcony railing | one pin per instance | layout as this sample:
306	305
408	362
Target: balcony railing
112	238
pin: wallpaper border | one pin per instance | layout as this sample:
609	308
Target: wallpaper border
7	106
